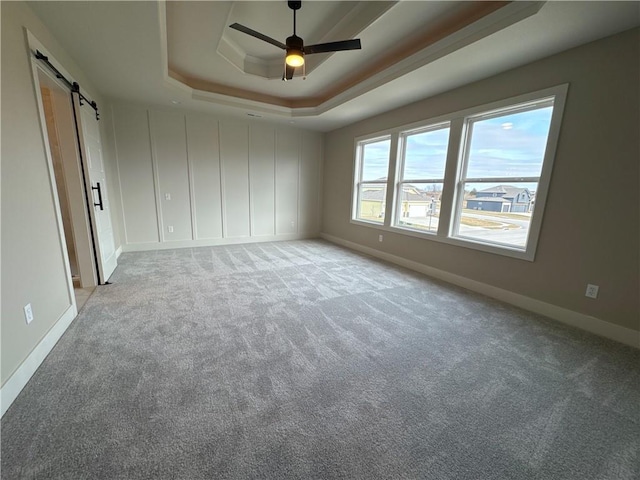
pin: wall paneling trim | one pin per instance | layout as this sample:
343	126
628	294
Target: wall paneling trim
192	179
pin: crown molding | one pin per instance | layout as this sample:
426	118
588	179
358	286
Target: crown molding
480	20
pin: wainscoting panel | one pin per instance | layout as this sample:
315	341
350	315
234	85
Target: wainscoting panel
214	180
310	172
287	173
262	179
133	148
169	149
234	152
203	147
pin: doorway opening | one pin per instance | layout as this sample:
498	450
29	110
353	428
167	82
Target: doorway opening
61	134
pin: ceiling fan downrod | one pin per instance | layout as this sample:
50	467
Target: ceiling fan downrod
294	46
294	6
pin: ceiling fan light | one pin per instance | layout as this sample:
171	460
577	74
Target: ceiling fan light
295	57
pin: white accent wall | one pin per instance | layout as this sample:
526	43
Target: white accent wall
191	179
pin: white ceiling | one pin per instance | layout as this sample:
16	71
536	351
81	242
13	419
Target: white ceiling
157	53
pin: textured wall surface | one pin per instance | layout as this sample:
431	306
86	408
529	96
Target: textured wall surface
590	231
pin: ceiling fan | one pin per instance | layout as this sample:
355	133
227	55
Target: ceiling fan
295	47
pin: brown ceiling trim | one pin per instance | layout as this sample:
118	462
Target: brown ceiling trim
474	12
211	87
464	18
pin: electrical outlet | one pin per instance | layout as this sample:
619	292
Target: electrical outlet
28	313
167	196
592	291
170	228
380	237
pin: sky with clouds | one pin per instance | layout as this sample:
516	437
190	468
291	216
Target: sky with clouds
511	145
376	160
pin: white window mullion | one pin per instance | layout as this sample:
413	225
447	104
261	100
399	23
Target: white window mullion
502	179
397	188
449	190
391	180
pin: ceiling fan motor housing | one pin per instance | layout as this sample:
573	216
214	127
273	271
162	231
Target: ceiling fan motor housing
294	42
295	52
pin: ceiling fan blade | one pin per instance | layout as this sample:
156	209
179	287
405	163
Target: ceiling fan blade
253	33
288	72
333	46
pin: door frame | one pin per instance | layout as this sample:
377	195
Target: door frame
80	222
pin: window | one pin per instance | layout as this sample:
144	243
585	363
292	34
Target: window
501	168
423	155
476	178
372	167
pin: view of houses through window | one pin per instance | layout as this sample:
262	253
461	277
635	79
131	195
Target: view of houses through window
421	177
372	186
501	171
499	168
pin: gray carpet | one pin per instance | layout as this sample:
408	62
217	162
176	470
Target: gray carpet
305	360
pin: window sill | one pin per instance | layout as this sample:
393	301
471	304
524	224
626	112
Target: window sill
527	255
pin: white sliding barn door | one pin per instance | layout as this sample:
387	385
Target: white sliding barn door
96	185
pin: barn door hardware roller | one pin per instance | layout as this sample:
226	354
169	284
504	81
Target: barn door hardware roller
74	87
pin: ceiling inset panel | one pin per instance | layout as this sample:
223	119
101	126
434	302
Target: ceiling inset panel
207	55
183	54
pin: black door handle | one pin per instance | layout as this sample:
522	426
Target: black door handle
99	204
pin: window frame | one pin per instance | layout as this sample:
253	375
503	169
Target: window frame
401	162
462	179
360	143
451	193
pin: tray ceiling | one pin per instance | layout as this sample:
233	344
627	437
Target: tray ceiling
184	55
212	57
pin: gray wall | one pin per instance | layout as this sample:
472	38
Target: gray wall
229	182
213	180
33	269
590	228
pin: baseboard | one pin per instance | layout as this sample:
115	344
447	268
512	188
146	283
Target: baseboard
12	388
118	252
575	319
213	242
